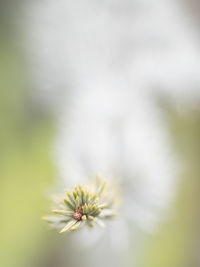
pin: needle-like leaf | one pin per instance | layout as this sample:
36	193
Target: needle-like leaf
68	226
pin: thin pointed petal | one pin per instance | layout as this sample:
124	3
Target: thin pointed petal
83	196
71	198
93	198
77	190
76	226
80	187
63	212
89	208
77	202
85	209
68	204
87	197
101	188
94	208
74	194
68	226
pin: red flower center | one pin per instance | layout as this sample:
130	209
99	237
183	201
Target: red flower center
78	213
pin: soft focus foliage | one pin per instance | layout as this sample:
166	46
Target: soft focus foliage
84	206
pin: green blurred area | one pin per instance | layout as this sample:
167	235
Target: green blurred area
26	169
178	241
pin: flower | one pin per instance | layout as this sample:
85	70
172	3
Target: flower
84	206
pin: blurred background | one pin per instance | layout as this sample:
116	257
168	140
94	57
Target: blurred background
101	86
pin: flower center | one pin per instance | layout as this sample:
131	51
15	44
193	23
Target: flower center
78	213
